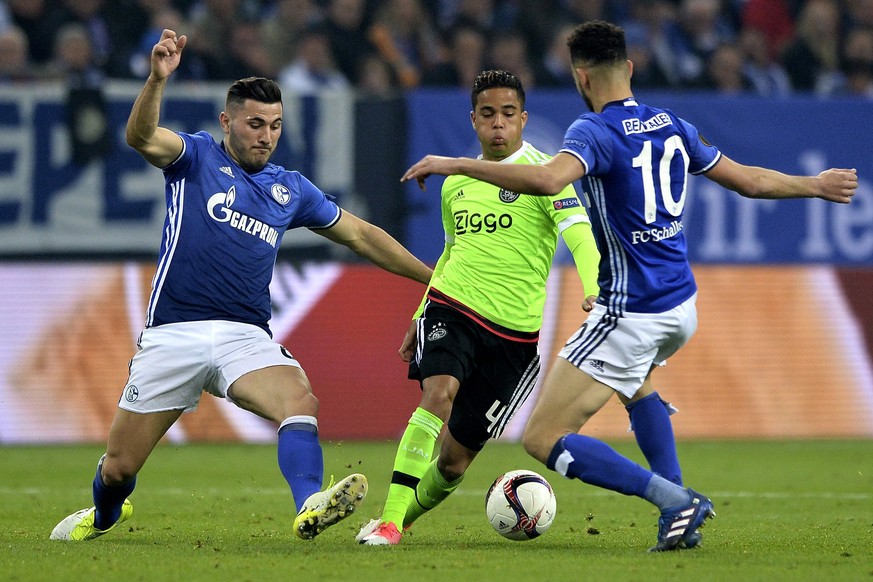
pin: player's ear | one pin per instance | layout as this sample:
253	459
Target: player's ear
473	118
224	120
523	119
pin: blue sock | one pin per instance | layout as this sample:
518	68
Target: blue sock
581	457
108	500
300	457
650	421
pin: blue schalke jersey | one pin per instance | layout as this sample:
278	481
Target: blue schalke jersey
636	160
222	233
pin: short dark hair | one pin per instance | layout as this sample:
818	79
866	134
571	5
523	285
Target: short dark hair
491	79
597	42
255	88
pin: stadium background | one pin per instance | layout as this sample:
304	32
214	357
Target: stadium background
784	347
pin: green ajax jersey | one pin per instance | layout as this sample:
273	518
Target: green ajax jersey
500	245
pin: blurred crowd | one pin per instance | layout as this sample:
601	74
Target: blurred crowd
764	47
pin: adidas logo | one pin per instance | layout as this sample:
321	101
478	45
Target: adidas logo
596	364
679	525
227	170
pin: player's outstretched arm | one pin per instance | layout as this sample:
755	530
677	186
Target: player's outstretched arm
377	246
158	145
541	180
834	185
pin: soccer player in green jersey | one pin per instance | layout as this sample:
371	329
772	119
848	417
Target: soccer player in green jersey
473	341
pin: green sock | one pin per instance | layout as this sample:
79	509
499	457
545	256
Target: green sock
431	491
410	464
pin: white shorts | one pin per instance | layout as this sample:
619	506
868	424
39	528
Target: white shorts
176	362
620	351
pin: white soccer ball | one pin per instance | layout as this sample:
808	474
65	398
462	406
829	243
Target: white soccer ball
520	505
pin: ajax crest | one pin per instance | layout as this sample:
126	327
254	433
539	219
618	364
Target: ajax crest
437	332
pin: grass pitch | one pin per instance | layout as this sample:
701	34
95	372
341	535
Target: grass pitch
786	511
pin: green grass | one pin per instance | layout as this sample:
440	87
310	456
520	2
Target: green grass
786	511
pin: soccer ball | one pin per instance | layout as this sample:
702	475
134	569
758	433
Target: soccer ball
520	505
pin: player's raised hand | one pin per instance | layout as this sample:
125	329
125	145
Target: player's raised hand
838	185
428	165
166	54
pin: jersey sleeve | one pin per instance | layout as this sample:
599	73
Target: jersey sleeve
192	145
575	228
316	211
703	155
566	208
586	140
580	241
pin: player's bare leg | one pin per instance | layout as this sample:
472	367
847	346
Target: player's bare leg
132	438
567	400
283	394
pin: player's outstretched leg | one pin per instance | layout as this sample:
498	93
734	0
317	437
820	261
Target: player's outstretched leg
79	526
683	511
325	508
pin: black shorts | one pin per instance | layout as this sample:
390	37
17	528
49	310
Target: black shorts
496	372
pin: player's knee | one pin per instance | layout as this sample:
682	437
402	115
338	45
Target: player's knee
537	443
437	399
300	403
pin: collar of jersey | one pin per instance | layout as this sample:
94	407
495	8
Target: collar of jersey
629	102
511	158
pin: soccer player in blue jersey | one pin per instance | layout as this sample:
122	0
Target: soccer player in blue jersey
634	160
206	325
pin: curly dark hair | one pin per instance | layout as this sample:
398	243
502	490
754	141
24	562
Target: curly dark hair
597	42
491	79
255	88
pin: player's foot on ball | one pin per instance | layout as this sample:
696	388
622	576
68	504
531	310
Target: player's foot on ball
385	534
677	526
325	508
79	526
